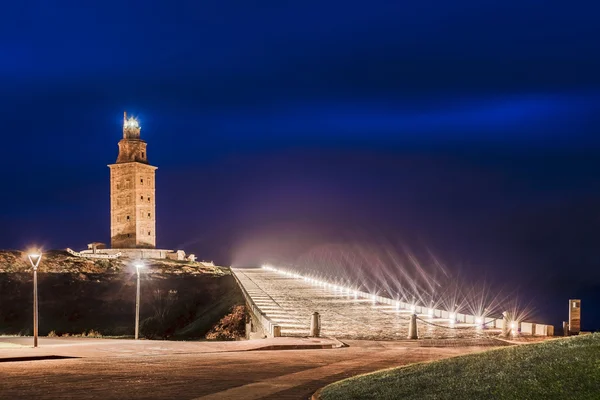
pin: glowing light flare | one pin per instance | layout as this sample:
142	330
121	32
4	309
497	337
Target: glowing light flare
131	123
35	257
349	291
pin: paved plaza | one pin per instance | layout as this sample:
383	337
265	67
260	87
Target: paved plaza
290	302
355	339
118	369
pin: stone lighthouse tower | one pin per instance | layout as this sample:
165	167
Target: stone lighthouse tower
132	202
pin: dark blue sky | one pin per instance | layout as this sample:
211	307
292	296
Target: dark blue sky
468	127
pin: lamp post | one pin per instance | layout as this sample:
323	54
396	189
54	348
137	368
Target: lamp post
138	266
34	259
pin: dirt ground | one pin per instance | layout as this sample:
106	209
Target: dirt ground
121	369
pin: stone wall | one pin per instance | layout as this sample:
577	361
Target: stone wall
162	254
132	205
92	254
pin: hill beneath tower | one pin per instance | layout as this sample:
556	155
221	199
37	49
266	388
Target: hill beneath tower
179	299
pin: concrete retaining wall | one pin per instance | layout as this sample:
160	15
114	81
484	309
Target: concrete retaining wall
527	327
270	328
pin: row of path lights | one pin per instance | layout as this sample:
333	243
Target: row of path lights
413	333
36	256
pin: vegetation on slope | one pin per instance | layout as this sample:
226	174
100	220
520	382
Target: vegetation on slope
230	327
557	369
59	261
182	300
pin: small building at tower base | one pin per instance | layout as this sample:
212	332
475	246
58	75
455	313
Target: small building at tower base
138	254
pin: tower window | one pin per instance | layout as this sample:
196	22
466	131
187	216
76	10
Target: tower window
128	218
142	181
148	215
128	235
143	155
148	199
148	233
141	197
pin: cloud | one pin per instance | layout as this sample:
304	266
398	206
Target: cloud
534	116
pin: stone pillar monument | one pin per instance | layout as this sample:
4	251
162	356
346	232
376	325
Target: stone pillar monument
574	316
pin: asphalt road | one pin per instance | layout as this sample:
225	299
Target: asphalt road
124	369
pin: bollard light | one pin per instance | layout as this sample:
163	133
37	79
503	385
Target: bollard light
315	325
452	318
412	327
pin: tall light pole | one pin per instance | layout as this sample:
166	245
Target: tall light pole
138	266
34	259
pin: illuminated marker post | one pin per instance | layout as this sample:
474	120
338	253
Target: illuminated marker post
506	324
137	300
34	259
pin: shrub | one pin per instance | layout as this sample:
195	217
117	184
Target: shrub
152	327
230	327
93	334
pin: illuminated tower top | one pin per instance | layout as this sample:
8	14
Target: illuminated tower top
131	127
131	147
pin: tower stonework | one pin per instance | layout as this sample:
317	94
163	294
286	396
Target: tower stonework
132	191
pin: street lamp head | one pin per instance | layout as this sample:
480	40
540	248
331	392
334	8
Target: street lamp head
35	258
138	266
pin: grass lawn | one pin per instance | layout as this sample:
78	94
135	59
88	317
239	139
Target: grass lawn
557	369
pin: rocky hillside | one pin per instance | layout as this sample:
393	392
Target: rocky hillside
179	299
59	261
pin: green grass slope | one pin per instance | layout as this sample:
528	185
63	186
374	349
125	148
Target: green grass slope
558	369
